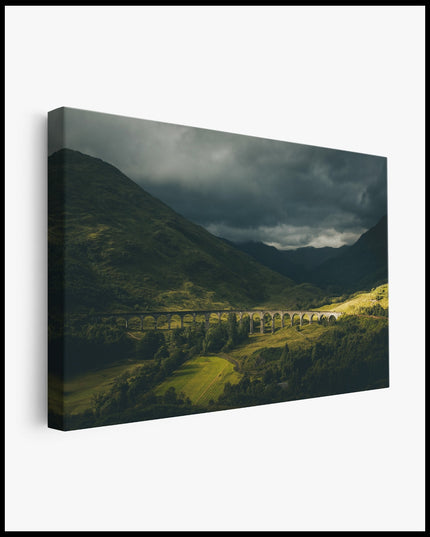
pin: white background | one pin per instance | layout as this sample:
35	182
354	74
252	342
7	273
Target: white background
347	78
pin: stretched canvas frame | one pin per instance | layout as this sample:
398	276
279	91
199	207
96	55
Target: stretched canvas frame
194	270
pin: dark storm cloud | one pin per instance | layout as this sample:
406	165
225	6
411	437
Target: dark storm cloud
241	187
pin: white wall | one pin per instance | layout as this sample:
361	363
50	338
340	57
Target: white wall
347	78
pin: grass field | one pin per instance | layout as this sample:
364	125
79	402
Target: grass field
290	335
78	393
201	379
305	337
361	300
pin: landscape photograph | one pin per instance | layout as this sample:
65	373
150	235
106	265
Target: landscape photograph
193	270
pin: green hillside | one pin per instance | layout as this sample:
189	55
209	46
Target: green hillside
119	248
201	379
172	372
361	301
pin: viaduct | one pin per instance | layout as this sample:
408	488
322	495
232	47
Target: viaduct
168	316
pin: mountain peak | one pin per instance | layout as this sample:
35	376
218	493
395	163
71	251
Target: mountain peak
363	265
125	248
358	266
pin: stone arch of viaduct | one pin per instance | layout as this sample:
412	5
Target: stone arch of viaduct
169	316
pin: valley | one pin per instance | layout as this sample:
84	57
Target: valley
199	379
152	316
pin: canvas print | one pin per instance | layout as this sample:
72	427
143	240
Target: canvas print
194	271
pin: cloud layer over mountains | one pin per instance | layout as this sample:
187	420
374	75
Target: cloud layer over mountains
239	187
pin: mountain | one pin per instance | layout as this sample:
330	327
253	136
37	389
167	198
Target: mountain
114	247
361	266
349	268
310	257
295	264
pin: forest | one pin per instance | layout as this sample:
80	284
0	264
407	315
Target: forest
351	355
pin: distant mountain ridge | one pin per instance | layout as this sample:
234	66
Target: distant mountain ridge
295	264
348	268
113	246
363	265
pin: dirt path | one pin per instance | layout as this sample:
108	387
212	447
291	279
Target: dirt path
133	336
307	339
231	360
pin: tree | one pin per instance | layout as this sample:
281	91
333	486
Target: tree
285	353
268	376
243	330
170	397
215	338
232	331
98	400
148	346
317	351
162	352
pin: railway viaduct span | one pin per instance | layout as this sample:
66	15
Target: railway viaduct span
168	316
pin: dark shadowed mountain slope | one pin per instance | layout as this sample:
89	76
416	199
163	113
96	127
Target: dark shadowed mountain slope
310	257
348	268
363	265
295	264
113	246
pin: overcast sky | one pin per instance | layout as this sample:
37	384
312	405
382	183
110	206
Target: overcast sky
239	187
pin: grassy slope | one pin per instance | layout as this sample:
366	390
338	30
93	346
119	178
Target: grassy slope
284	335
201	379
361	300
126	249
308	334
305	337
78	393
212	372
